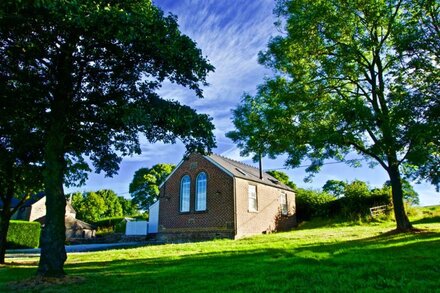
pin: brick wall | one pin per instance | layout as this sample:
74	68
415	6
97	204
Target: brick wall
216	221
268	217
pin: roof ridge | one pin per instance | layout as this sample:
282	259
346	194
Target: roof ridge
237	161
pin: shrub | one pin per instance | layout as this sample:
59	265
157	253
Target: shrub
23	234
120	227
108	222
353	208
311	203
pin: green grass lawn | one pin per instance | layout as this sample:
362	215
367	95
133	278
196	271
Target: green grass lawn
341	258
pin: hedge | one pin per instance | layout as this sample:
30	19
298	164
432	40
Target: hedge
108	222
23	234
314	204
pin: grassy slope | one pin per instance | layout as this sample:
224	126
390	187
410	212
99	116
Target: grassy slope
362	258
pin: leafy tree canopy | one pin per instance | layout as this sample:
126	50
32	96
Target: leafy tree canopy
129	208
144	188
20	161
87	73
356	189
104	203
334	187
350	77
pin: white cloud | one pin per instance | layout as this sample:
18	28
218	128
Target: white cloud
230	33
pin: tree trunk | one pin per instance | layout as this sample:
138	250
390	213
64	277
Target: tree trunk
6	213
53	252
402	221
4	227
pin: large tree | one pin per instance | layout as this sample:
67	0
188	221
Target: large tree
343	85
144	188
91	70
95	205
334	187
129	208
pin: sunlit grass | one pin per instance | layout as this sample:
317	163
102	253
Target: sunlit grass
344	258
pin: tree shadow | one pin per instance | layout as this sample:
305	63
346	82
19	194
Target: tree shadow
393	262
430	220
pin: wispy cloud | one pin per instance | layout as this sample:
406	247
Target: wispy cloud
230	34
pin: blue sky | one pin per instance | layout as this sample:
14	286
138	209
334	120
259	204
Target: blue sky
230	34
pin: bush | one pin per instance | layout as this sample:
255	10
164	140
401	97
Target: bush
121	227
108	222
311	203
23	234
353	208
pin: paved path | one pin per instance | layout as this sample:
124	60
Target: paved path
14	253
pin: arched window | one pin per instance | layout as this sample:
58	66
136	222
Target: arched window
201	192
185	187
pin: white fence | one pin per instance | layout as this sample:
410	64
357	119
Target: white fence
144	227
136	228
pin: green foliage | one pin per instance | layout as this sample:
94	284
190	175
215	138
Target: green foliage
358	200
112	203
129	208
356	189
354	205
115	58
419	43
84	76
282	177
111	225
311	203
108	222
93	206
351	77
334	187
354	208
120	227
144	188
23	234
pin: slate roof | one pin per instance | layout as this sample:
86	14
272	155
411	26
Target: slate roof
72	223
245	171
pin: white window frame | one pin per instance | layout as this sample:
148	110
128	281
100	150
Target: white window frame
252	198
284	207
185	194
201	192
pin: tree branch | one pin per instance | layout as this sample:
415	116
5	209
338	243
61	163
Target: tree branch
368	153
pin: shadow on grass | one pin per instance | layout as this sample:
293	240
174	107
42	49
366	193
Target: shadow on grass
402	262
430	220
